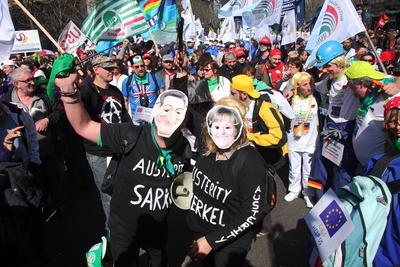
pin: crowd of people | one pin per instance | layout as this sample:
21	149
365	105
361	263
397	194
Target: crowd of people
205	108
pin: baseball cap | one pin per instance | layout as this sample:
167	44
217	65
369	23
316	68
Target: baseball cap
7	62
265	40
361	69
189	41
387	55
167	57
146	55
393	103
275	52
244	83
240	53
104	62
41	80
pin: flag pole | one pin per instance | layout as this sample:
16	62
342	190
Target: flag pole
26	11
375	52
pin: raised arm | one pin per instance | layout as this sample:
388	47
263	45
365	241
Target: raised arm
75	110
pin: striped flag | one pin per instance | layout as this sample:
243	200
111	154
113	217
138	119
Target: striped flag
114	20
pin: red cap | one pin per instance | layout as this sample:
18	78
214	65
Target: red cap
392	104
265	40
388	55
146	55
240	53
275	52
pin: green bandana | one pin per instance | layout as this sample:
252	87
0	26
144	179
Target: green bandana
142	80
63	65
212	84
164	158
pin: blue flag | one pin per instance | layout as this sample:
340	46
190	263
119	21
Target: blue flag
333	218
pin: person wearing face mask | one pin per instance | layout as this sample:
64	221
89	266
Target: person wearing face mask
231	197
140	201
303	136
386	165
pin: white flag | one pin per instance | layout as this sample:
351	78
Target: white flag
7	31
227	32
265	12
236	8
338	21
289	27
71	38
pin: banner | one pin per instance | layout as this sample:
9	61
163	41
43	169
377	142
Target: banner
71	38
338	21
7	35
26	42
266	12
162	17
114	20
227	32
289	27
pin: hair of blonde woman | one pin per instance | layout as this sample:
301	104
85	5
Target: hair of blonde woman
293	55
299	78
341	62
209	145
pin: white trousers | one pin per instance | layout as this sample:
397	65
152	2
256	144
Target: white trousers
299	171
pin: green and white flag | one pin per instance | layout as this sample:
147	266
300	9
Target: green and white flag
114	20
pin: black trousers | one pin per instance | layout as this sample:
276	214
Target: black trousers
226	257
143	232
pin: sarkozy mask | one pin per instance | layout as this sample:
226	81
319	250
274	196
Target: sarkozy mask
169	112
224	125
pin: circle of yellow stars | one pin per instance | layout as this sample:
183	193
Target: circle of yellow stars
333	226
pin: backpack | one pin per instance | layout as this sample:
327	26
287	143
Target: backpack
260	126
367	199
129	143
387	167
270	184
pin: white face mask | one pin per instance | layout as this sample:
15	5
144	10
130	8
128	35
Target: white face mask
169	112
224	126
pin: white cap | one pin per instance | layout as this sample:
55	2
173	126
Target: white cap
189	40
7	62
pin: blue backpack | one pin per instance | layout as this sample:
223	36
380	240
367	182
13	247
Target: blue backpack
387	166
367	199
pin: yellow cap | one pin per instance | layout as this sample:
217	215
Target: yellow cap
360	69
244	83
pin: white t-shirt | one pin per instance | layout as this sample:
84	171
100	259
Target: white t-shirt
118	83
343	104
306	114
369	139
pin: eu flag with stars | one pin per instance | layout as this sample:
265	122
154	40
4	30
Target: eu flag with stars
333	218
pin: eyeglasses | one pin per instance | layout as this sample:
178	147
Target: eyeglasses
168	62
369	60
28	80
138	66
206	70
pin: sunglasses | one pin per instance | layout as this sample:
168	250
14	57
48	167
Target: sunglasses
28	80
368	60
168	62
138	66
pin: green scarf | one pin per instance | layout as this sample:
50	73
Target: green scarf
63	65
164	158
370	99
212	84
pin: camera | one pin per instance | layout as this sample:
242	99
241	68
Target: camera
144	100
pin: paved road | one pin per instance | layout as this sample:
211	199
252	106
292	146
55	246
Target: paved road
69	237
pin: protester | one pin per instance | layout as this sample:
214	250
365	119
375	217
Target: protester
231	67
118	75
303	136
135	222
272	71
167	73
141	88
229	163
7	67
